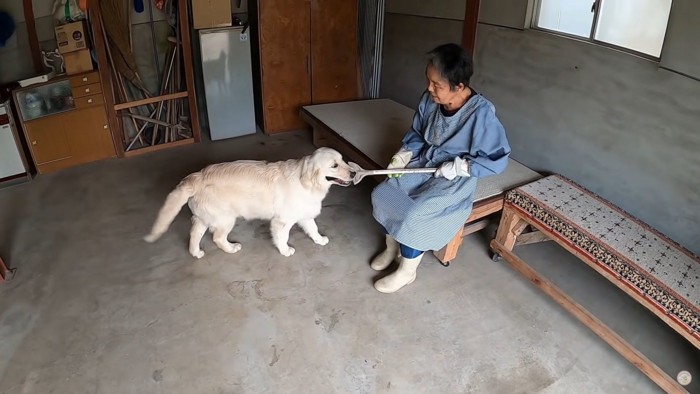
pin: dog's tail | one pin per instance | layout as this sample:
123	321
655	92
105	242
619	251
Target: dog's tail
173	203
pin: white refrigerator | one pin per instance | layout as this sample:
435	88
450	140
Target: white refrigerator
11	163
228	81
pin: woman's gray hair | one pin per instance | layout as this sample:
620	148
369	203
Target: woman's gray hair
453	63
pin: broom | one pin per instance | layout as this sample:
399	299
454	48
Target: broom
117	29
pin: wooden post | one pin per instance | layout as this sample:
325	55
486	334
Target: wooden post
471	20
33	38
186	51
104	69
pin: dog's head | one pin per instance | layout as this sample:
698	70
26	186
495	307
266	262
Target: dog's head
324	168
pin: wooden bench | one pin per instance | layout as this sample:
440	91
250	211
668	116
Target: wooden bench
369	132
650	268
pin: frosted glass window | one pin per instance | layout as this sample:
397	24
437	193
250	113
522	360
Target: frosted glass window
566	16
620	23
636	25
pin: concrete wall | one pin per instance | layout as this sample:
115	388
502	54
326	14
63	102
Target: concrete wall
615	123
407	38
509	13
16	57
411	29
680	50
442	9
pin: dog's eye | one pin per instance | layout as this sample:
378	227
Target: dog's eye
335	165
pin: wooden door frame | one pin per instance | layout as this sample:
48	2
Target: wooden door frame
28	9
471	20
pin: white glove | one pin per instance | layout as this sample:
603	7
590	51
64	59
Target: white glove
399	160
452	169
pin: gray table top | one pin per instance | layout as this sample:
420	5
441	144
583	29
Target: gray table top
376	128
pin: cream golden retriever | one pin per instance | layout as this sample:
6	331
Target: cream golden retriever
286	193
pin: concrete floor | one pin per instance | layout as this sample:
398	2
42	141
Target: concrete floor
94	309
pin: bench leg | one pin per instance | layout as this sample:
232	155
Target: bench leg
319	138
510	227
646	366
449	252
532	237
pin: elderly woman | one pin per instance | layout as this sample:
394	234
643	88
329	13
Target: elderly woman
455	130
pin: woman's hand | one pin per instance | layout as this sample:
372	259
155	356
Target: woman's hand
399	160
452	169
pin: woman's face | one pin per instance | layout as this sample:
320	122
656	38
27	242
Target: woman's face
439	87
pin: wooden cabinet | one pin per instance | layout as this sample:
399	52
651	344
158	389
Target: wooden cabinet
334	51
84	79
92	141
308	55
65	122
285	62
47	140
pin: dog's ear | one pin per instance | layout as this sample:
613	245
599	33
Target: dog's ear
309	172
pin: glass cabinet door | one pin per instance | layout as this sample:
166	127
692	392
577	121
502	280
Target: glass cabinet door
45	100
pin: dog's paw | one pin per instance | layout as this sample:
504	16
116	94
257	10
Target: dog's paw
233	248
287	252
197	254
322	240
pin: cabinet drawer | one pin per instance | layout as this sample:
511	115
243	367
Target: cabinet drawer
89	101
87	90
84	79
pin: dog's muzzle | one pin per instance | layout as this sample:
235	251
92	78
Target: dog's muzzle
338	181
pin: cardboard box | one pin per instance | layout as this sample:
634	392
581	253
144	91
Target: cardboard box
211	13
77	62
71	37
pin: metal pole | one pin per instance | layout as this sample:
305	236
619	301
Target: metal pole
153	42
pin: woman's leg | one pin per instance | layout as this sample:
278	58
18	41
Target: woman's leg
405	275
386	257
408	252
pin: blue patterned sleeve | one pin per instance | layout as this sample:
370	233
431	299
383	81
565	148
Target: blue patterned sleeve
490	149
413	140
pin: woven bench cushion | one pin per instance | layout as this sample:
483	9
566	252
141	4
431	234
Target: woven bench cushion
648	262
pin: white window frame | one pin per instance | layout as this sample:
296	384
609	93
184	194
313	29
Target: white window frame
591	34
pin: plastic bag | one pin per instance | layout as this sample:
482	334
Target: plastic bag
66	11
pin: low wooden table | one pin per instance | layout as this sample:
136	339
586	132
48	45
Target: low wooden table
650	268
369	132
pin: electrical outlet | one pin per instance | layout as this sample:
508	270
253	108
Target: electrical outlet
244	37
